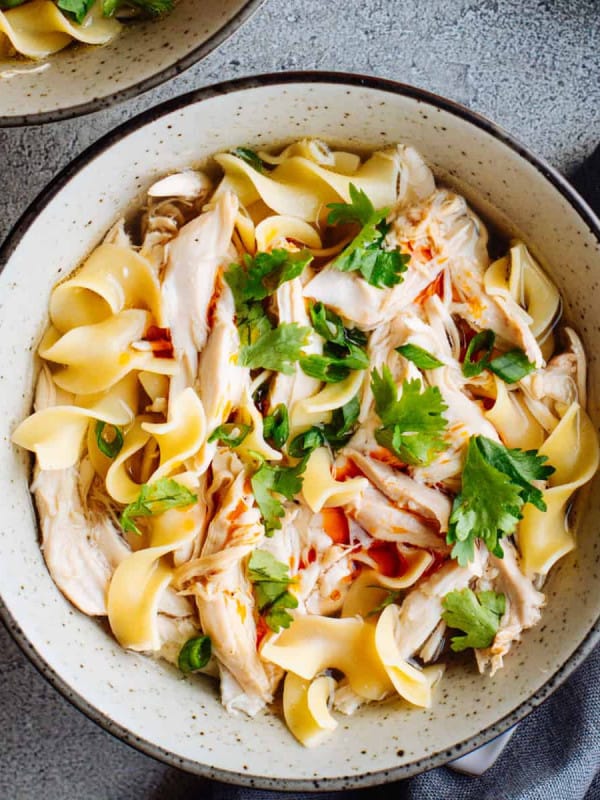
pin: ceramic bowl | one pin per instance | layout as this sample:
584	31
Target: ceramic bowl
82	78
147	703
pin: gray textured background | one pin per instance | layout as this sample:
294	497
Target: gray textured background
532	66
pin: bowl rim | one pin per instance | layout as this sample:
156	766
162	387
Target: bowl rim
247	10
377	777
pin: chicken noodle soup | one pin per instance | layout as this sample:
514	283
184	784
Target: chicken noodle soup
301	433
38	28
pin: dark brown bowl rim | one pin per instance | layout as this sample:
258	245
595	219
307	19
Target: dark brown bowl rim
174	69
261	781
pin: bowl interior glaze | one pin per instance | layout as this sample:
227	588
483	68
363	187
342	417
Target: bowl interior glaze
147	703
82	78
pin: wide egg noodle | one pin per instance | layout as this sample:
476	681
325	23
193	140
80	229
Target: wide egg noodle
371	587
56	434
319	487
38	28
94	357
111	279
314	643
317	409
411	683
182	436
254	443
274	231
306	708
572	449
513	420
119	484
140	580
299	187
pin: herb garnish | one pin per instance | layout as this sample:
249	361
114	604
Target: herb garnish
412	425
496	483
365	252
477	615
271	580
155	498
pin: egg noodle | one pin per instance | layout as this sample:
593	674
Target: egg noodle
304	431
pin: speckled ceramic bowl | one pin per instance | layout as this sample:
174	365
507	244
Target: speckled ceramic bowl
147	703
85	78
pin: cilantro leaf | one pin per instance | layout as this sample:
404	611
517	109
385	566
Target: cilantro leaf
487	507
412	425
343	424
155	498
276	616
271	580
276	349
477	357
261	275
276	426
420	357
76	8
521	466
251	157
152	8
272	480
333	369
230	433
304	443
478	616
365	252
343	350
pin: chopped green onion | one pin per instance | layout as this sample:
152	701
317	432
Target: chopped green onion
109	447
511	366
250	157
231	433
419	356
195	654
480	345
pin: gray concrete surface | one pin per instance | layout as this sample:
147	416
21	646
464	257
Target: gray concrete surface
532	66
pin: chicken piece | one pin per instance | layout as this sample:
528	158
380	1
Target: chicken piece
523	604
80	544
421	610
384	521
416	181
403	490
194	257
220	585
564	378
221	382
288	389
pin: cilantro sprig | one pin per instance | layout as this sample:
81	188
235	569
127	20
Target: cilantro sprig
264	346
155	498
496	484
343	350
412	424
271	581
271	480
477	615
365	253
